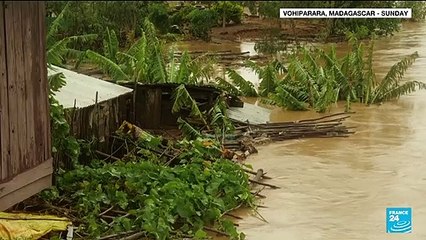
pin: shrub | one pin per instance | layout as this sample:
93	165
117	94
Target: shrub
232	11
159	16
201	22
418	8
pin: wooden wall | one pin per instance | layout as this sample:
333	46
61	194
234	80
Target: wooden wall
153	104
25	147
99	121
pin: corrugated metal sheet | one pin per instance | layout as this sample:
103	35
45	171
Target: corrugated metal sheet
83	88
252	113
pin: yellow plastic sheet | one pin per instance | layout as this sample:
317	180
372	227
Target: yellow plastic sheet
28	226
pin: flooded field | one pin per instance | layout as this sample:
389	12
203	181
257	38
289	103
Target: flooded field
338	188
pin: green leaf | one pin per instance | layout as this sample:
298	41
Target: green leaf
200	234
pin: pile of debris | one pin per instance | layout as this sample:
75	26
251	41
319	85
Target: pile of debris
224	57
248	135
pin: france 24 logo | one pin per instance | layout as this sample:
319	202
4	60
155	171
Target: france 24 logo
398	220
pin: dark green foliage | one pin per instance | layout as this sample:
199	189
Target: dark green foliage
318	79
146	61
270	9
418	9
228	11
362	27
269	75
183	100
161	201
179	16
159	16
58	46
245	87
142	62
201	22
63	144
214	119
124	17
252	6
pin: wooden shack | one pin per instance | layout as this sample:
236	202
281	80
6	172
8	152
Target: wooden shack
94	108
25	145
154	102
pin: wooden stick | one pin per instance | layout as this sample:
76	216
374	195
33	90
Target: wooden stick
264	184
107	155
257	178
216	231
332	115
117	235
134	236
234	216
252	172
104	212
258	194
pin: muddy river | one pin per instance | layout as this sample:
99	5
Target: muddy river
339	188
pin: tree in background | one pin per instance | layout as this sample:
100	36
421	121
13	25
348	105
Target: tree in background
201	22
418	8
363	27
228	12
159	16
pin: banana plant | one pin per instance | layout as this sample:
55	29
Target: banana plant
58	50
142	62
390	86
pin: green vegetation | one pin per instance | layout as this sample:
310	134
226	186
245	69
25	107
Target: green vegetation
143	61
418	9
64	145
127	18
201	22
317	79
338	27
141	194
58	47
228	12
146	61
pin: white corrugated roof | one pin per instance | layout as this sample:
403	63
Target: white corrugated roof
83	89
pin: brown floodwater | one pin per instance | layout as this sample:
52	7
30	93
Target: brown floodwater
339	188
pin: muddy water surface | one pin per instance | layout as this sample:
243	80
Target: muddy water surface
338	189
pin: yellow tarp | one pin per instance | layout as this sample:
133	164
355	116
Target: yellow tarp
28	226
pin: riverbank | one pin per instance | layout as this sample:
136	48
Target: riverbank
253	28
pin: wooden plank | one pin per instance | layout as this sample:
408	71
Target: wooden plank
2	68
44	85
12	19
29	63
37	93
26	184
20	130
25	192
4	103
31	175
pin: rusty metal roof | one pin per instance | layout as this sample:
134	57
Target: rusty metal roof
82	88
